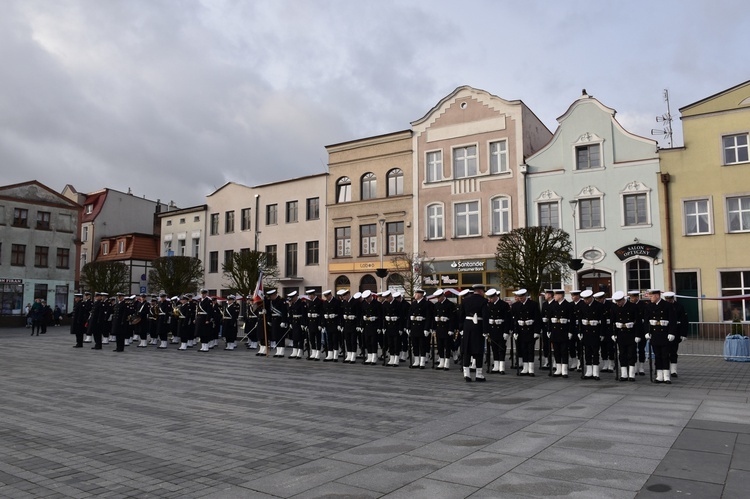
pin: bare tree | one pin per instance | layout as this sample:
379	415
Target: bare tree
106	277
243	269
526	257
411	267
175	274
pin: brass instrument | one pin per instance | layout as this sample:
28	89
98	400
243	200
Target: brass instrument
134	319
241	322
177	313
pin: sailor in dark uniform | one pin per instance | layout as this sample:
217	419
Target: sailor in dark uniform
549	297
393	328
276	309
527	324
96	321
297	312
351	321
445	325
372	321
607	345
590	331
624	316
119	322
78	320
661	330
203	313
419	325
314	321
559	324
183	322
681	329
475	315
163	320
231	314
332	322
640	329
573	342
87	305
499	322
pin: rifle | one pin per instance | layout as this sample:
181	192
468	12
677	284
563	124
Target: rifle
433	340
518	364
487	351
385	347
551	356
618	377
513	358
582	360
650	351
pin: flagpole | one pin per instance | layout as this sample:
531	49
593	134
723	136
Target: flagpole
265	326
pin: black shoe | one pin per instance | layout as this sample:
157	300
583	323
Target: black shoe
673	375
558	375
421	367
481	380
96	347
118	350
631	379
532	375
565	376
623	379
77	346
446	369
668	382
597	378
641	374
467	379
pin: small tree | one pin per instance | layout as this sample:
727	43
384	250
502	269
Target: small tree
526	256
106	277
411	268
242	271
175	274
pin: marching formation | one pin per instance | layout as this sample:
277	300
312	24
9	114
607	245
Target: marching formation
590	334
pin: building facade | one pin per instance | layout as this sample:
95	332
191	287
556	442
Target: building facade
38	247
183	232
136	252
599	183
370	201
468	152
706	187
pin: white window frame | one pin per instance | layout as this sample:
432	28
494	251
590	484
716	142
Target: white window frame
735	148
468	215
635	188
343	190
397	175
745	305
435	166
589	193
343	245
588	139
548	197
709	201
438	224
466	158
368	244
507	210
727	198
500	157
371	180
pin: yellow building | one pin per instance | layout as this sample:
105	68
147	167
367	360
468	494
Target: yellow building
705	193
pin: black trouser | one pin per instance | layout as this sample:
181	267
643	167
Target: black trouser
444	343
673	346
229	329
418	348
97	333
334	337
404	345
350	338
202	328
608	348
591	351
393	340
525	346
371	339
545	344
641	350
627	355
298	338
314	332
560	349
162	328
79	336
472	345
498	345
661	356
573	346
120	333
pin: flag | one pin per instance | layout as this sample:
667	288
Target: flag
258	293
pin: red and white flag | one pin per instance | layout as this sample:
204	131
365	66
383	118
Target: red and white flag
258	293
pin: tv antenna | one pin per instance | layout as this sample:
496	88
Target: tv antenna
666	120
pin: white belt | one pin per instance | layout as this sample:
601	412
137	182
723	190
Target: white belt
417	318
350	317
314	316
544	319
563	320
391	318
619	325
585	322
593	323
497	321
653	322
370	318
554	320
664	323
442	319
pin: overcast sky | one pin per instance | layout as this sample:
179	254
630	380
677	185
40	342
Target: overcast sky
174	98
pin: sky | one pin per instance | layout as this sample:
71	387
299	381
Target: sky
172	99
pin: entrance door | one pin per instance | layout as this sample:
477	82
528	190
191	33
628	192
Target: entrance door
686	284
596	280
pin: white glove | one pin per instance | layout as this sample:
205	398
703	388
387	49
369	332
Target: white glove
341	329
614	338
359	329
618	325
683	338
486	335
648	336
549	335
426	334
407	331
536	335
570	336
283	325
637	339
461	332
670	337
580	336
505	336
601	338
515	336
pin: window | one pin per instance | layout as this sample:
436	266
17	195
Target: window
500	215
42	220
213	262
181	244
214	224
369	239
291	260
18	255
272	256
64	222
197	218
589	213
196	247
312	253
85	233
121	246
343	241
40	291
169	223
395	233
11	299
499	156
84	259
89	208
588	157
168	248
271	214
313	209
464	162
105	248
291	212
466	222
434	166
41	256
182	220
245	219
639	274
20	217
368	283
395	182
229	222
735	149
697	217
63	258
549	215
738	213
343	190
435	222
228	255
636	210
734	283
369	186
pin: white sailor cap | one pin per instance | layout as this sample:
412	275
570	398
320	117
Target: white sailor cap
366	294
586	293
491	292
575	292
396	294
419	290
357	295
634	292
668	294
478	286
559	291
521	292
342	292
464	292
292	294
175	298
203	291
438	292
103	294
618	295
310	292
230	297
654	291
598	294
79	295
385	293
271	292
120	293
327	292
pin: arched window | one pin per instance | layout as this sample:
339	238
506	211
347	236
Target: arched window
368	282
639	274
342	282
500	209
343	190
369	186
395	182
395	280
435	224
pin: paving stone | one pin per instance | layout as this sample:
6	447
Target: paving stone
451	448
587	443
523	443
332	490
740	457
706	441
601	460
377	451
429	489
522	485
663	487
613	479
694	465
556	425
477	469
392	474
737	484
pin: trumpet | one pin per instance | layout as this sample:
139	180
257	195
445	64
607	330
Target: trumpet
177	312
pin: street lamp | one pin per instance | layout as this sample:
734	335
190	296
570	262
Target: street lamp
382	271
575	263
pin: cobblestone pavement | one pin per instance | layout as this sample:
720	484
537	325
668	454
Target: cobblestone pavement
153	423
